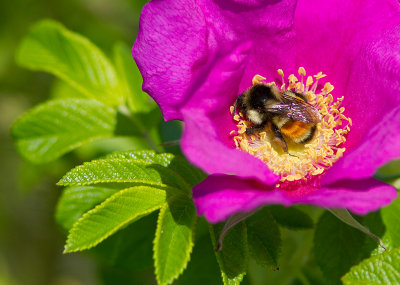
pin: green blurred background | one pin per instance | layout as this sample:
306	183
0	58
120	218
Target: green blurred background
31	243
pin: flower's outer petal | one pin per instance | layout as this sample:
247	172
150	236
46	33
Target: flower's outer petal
206	141
358	196
202	146
374	83
179	39
220	196
379	146
356	43
374	109
266	23
331	33
171	41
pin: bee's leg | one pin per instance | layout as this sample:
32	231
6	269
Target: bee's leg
278	138
255	128
257	79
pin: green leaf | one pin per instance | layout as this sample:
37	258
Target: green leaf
52	48
389	171
203	268
232	259
62	90
151	156
119	170
382	269
391	219
117	211
138	101
130	248
173	242
178	164
75	201
231	222
337	247
291	218
136	167
345	216
264	238
51	129
373	221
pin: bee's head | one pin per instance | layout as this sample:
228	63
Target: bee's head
259	95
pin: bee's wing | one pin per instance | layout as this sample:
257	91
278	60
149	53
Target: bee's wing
296	109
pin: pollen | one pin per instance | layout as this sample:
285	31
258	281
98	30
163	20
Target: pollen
303	161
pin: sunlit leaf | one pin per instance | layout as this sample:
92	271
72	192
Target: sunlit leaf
75	201
177	163
117	211
391	219
131	80
51	129
52	48
136	167
382	269
119	170
174	238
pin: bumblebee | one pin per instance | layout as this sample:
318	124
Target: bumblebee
286	113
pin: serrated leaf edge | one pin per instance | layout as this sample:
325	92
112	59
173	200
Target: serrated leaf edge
367	261
157	236
69	248
62	181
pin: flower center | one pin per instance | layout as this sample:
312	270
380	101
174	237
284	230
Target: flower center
302	160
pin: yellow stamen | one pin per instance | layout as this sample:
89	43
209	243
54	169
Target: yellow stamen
306	160
302	71
309	81
319	75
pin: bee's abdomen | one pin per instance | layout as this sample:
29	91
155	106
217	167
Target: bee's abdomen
299	132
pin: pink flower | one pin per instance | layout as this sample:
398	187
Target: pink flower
196	57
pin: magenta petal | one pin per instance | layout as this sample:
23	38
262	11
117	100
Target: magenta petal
220	196
171	41
204	148
356	44
178	40
378	147
374	83
358	196
206	141
330	34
